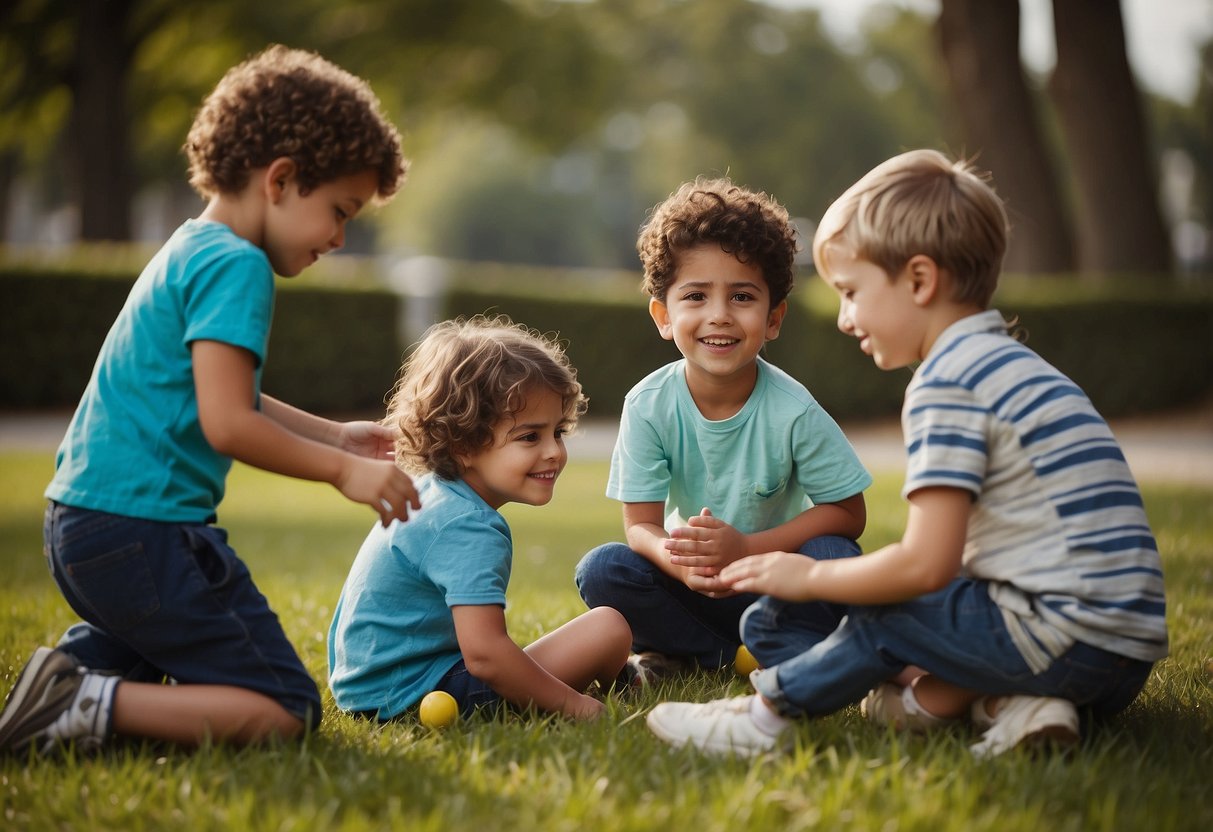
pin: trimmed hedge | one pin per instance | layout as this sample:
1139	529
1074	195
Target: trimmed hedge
338	350
330	351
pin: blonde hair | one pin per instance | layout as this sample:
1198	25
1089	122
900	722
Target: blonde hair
463	378
749	225
921	202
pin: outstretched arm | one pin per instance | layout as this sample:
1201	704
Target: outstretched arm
361	438
493	657
926	558
224	380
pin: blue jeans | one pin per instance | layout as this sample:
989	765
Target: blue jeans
170	599
956	633
668	617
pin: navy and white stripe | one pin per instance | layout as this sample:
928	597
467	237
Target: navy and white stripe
1058	527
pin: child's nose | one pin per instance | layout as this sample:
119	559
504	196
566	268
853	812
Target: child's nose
339	238
844	318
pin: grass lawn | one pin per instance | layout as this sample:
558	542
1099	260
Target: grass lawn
1151	769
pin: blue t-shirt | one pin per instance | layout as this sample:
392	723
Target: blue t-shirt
393	635
135	446
777	456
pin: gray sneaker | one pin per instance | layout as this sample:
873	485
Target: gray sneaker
44	690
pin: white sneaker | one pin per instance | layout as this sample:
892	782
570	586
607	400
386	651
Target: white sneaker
1024	720
721	726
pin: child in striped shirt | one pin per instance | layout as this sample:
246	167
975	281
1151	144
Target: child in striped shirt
1027	584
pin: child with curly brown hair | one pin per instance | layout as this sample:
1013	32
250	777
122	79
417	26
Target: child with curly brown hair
286	150
720	454
482	407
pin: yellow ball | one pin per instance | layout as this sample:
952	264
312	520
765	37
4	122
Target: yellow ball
438	709
744	663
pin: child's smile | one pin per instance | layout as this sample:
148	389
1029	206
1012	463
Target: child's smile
526	457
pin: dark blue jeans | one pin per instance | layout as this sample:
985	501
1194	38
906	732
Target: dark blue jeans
170	599
668	617
956	633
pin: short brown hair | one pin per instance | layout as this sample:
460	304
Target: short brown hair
749	225
465	376
295	104
921	202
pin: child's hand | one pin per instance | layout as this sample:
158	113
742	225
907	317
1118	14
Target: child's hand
780	574
707	544
380	485
585	707
369	439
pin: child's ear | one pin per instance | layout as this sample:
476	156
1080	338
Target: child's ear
775	320
661	316
923	274
280	172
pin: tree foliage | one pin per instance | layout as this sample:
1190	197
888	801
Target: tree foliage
540	130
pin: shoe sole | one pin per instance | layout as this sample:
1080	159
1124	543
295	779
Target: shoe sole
37	699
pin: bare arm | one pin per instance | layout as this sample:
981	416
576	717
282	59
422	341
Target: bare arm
362	438
224	381
493	657
926	558
645	530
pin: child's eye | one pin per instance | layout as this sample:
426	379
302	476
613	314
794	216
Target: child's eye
342	215
696	296
529	437
742	297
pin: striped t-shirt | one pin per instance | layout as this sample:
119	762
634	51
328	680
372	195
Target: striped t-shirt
1058	527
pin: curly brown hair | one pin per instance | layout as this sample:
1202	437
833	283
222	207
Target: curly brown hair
749	225
295	104
464	377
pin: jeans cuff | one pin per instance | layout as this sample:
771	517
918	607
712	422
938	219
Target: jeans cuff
766	682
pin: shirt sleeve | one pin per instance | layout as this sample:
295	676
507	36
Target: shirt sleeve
230	298
469	559
640	466
827	467
946	445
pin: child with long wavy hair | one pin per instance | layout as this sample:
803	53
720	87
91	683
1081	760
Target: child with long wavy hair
482	407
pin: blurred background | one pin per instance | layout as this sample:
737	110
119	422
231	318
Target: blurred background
541	131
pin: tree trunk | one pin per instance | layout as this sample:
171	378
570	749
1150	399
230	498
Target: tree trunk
980	44
100	137
1120	226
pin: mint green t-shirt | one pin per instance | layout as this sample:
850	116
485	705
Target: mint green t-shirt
777	456
135	446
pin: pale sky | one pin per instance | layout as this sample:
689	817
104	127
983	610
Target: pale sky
1164	36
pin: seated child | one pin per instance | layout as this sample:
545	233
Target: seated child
1027	582
724	450
286	150
483	407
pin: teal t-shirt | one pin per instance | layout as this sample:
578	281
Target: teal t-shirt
135	446
393	635
777	456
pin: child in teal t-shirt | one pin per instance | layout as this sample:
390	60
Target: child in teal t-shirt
286	150
483	407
